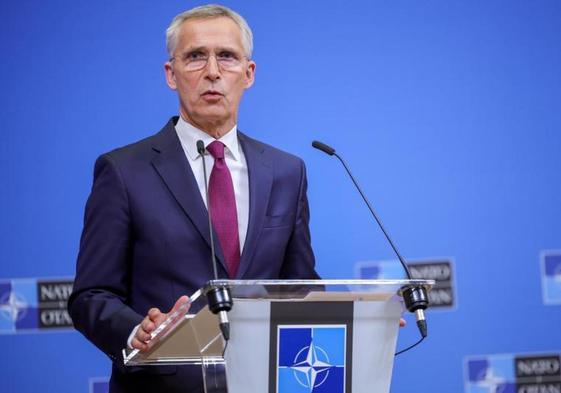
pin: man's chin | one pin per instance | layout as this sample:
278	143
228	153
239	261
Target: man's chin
212	119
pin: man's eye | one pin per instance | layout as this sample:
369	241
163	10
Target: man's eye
225	55
194	56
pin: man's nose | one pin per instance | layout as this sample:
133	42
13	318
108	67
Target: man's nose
212	68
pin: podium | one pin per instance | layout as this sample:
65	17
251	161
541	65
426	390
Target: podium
287	336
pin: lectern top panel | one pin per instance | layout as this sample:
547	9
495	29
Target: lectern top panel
332	290
191	335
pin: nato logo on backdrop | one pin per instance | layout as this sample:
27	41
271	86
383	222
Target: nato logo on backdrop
442	296
523	373
311	358
34	304
551	276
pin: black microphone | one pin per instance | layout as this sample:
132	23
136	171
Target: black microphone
219	298
323	147
415	297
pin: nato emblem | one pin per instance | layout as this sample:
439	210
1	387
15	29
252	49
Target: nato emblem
34	304
18	305
491	374
311	358
551	276
514	374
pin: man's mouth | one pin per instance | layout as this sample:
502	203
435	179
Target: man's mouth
212	94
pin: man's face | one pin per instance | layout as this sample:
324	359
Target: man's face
209	97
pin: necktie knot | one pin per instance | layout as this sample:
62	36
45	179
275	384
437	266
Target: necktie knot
216	150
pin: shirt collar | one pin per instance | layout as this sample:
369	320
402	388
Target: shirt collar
189	135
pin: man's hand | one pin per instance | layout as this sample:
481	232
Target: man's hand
154	319
402	322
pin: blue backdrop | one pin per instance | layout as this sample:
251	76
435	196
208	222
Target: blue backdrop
448	111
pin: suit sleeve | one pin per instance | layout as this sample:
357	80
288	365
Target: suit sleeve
98	304
299	261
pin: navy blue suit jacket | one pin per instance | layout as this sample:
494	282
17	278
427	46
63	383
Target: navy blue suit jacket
145	243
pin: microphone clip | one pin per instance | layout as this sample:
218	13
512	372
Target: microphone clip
220	302
416	301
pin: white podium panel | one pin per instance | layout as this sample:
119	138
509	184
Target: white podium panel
288	336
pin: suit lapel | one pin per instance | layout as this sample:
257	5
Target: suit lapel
260	173
174	169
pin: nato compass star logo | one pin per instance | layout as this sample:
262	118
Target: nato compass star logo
311	372
311	359
13	306
18	305
491	374
492	383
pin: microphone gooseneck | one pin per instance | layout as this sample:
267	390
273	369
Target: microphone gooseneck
415	297
201	150
218	297
331	151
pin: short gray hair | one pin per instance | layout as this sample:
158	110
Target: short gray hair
208	11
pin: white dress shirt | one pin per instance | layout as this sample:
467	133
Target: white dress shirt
235	160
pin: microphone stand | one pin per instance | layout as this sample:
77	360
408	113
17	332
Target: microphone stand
415	297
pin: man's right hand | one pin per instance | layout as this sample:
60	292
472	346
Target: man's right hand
153	319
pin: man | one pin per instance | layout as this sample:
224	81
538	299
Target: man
145	242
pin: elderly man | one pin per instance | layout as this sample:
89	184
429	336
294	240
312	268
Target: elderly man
145	242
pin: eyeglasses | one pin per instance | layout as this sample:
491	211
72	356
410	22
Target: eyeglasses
197	60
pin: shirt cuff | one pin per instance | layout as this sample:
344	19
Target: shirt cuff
131	336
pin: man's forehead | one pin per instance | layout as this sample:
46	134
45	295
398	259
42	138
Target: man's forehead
210	32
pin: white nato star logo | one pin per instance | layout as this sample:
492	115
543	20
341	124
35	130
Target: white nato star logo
13	307
492	382
311	372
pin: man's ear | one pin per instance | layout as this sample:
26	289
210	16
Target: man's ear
170	75
250	74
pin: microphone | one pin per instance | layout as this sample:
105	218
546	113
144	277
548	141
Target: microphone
415	297
219	298
323	147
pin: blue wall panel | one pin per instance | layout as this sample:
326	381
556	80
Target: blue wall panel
448	112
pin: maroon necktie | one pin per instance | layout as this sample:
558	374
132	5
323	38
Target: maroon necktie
223	208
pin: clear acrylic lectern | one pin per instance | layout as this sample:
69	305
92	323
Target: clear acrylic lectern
288	336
